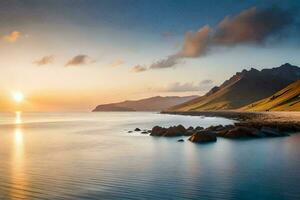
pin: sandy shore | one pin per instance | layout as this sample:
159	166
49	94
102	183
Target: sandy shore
283	117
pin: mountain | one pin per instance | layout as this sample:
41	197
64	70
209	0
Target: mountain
243	88
287	99
157	103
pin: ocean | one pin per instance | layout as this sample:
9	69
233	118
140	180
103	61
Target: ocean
92	156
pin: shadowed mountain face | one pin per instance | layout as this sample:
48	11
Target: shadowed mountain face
287	99
243	88
150	104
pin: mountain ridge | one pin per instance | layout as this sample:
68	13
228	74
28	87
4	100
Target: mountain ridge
243	88
287	99
156	103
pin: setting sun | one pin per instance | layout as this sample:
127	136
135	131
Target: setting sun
18	97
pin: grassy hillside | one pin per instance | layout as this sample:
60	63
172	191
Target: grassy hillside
287	99
242	89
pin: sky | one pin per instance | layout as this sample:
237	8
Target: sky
70	55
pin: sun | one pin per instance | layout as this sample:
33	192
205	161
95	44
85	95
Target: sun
18	97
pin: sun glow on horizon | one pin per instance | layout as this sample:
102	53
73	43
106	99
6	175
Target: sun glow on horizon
18	97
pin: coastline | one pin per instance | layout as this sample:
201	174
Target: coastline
259	117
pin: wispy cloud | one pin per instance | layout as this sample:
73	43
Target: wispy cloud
138	68
44	60
117	63
12	36
189	86
250	26
79	60
165	63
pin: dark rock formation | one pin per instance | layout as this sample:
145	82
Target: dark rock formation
137	129
203	137
199	128
168	132
158	131
239	132
180	140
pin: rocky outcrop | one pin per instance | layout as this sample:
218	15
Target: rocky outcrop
203	137
172	131
236	131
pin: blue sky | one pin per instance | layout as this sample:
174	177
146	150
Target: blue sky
105	40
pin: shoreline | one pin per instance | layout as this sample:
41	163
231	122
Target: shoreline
247	117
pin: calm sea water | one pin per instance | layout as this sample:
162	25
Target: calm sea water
91	156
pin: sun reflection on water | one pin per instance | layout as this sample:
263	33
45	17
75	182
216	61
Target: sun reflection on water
18	118
18	176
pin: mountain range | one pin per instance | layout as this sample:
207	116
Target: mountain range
243	88
157	103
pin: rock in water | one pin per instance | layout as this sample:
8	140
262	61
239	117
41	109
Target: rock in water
239	132
137	129
180	140
203	137
189	132
173	131
190	128
158	131
199	128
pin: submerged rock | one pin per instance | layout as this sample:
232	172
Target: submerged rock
180	140
271	132
129	132
144	132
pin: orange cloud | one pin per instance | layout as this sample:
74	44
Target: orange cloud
44	60
138	68
12	37
117	63
79	60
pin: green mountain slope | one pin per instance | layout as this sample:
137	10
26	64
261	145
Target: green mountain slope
287	99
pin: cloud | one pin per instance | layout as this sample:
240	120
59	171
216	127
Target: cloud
206	82
189	86
12	36
44	60
117	63
79	60
196	43
138	68
250	26
165	63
